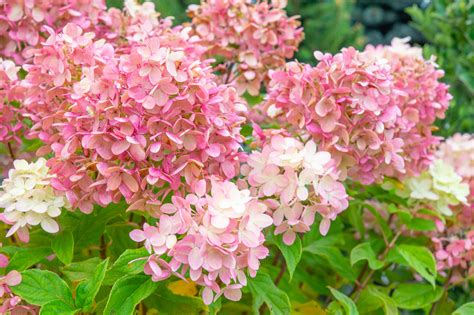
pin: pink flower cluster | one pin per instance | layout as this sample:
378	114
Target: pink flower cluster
21	22
373	115
458	151
131	124
422	99
455	252
215	239
10	124
296	181
252	37
347	104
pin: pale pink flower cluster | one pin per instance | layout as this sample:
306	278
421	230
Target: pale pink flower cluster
458	151
296	181
347	104
215	239
422	99
10	124
137	124
251	36
372	112
8	301
22	21
454	251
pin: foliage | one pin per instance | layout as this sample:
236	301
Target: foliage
449	28
193	169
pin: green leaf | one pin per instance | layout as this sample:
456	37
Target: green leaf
40	287
79	271
333	255
389	305
291	253
348	305
264	290
87	290
57	307
63	246
127	293
466	309
128	263
421	259
364	251
27	257
412	296
419	224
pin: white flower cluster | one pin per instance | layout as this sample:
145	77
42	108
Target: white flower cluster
440	185
29	199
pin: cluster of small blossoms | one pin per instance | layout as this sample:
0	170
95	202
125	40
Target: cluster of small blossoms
11	127
421	98
373	110
9	301
455	252
214	239
347	104
458	151
137	123
251	36
439	186
29	199
296	181
22	22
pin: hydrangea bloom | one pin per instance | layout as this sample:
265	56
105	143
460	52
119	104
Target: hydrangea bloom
372	110
11	127
346	103
254	37
29	199
299	181
126	123
215	239
440	186
452	252
21	22
421	97
458	151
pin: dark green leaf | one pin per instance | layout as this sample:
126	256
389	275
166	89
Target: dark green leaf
412	296
364	251
63	245
57	307
40	287
421	259
348	305
291	253
87	290
264	290
389	305
127	293
79	271
334	257
466	309
27	257
128	263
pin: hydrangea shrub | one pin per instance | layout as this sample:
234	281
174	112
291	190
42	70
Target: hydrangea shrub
198	168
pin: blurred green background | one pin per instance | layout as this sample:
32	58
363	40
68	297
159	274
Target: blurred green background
445	28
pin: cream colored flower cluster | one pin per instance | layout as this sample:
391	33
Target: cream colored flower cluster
439	186
28	197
